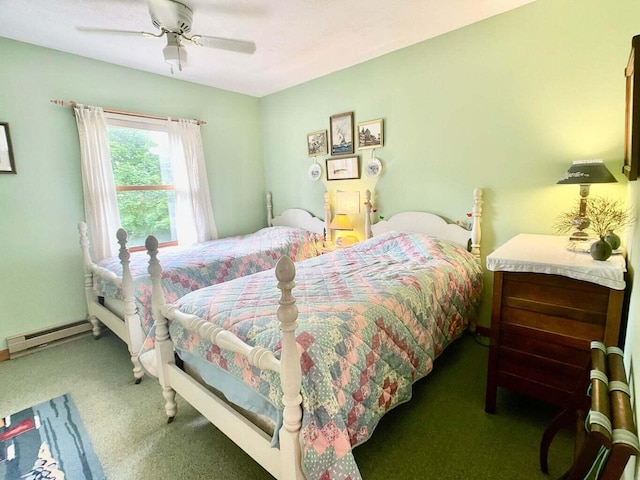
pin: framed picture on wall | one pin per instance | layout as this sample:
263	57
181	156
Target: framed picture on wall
317	143
632	113
344	168
370	134
7	164
341	133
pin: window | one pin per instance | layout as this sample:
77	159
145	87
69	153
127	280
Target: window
143	177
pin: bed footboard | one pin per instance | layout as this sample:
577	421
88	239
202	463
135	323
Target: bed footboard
282	463
89	292
129	328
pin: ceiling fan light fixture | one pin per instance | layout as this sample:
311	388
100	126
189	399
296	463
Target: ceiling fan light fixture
174	53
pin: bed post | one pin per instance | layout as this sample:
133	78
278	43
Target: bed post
290	374
164	345
367	215
131	318
476	214
89	292
269	210
327	219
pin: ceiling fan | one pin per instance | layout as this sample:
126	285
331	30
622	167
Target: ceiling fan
174	20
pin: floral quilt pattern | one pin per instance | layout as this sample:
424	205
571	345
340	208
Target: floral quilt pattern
197	266
372	319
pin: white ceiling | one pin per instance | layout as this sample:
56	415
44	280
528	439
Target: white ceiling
296	40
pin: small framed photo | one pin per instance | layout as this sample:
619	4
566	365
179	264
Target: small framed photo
341	132
344	168
7	164
370	134
317	143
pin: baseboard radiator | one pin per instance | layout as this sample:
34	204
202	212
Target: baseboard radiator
32	341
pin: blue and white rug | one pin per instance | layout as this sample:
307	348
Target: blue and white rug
47	441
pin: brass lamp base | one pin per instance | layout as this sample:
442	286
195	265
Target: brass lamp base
580	236
581	222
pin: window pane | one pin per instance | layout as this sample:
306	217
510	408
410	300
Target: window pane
147	212
140	157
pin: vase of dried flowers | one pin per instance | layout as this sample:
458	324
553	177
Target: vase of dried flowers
605	217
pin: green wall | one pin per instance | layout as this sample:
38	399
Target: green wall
505	104
40	261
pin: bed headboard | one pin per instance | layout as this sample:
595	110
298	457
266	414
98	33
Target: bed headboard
434	225
297	217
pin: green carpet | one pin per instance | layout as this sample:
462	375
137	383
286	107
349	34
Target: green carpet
47	441
442	433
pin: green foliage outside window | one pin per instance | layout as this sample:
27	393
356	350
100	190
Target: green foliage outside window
142	212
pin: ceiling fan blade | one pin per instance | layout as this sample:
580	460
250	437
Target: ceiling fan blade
241	46
110	31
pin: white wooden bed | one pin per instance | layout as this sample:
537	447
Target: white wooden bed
283	462
120	314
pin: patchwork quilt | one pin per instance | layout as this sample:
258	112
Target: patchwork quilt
197	266
372	319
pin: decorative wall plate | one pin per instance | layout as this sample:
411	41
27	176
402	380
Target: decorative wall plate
374	167
315	171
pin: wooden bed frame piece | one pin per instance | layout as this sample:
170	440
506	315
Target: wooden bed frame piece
284	463
127	328
431	224
125	322
301	218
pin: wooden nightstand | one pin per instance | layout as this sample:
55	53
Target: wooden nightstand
548	304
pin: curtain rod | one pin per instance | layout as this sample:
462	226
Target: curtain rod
64	103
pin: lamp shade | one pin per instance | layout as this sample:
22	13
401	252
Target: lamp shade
347	202
585	172
341	222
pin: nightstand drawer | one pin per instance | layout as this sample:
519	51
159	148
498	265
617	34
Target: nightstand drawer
540	390
540	369
521	339
555	295
552	329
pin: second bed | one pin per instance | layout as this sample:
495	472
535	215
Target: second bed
118	289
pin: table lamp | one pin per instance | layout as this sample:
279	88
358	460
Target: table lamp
347	203
584	173
341	222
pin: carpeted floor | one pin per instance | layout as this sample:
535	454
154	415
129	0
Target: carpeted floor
443	433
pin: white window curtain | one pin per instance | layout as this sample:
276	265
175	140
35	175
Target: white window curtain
194	215
100	202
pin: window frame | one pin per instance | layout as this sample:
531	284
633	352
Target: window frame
148	124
